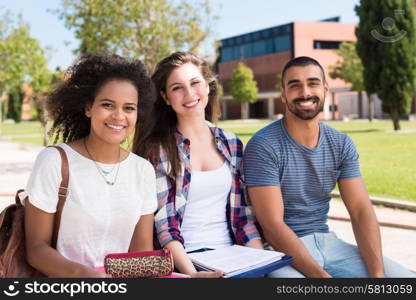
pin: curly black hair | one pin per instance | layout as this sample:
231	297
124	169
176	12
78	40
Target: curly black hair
66	104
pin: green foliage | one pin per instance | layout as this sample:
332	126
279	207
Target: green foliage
220	91
145	29
32	111
243	87
278	81
16	95
43	85
387	48
349	68
23	61
4	108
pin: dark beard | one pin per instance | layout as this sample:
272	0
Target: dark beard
305	114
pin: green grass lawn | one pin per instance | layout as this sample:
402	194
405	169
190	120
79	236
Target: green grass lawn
24	127
387	158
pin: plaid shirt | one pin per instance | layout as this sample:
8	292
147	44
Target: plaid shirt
172	193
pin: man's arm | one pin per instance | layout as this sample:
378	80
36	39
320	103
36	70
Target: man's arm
268	204
364	224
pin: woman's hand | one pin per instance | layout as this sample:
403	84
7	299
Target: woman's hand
205	274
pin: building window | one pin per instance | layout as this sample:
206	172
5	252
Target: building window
259	48
269	46
272	40
227	54
282	43
265	34
247	50
247	38
326	45
238	52
276	31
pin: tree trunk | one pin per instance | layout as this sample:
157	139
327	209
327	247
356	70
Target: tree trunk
244	110
394	112
2	97
43	117
224	114
360	104
270	108
332	107
371	107
45	132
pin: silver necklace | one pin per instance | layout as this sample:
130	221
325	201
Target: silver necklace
102	172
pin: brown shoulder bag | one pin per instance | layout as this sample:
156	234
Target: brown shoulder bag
13	261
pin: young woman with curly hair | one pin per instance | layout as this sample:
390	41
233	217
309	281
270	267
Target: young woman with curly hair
200	194
111	194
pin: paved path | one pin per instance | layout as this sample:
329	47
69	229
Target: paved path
16	161
398	244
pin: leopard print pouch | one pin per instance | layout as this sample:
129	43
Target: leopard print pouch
156	263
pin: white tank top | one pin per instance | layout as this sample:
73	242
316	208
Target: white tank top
204	223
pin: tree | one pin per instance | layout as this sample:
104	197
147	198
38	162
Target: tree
145	29
23	59
42	85
14	111
386	45
350	69
6	21
243	88
278	82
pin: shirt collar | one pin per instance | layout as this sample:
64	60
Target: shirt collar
181	139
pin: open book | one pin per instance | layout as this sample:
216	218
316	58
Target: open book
239	261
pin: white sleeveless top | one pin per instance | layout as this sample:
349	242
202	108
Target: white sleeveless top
204	222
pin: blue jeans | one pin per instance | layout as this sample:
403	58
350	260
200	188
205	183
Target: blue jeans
339	259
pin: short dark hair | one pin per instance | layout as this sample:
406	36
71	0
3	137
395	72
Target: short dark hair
301	61
66	104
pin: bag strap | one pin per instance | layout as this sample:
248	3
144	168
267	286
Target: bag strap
62	193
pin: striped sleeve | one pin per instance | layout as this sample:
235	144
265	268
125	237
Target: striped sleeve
261	166
349	164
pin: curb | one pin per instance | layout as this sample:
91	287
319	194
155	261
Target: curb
393	203
384	224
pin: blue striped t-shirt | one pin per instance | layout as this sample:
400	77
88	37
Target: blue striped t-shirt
305	176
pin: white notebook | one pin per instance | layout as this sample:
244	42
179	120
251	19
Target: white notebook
234	260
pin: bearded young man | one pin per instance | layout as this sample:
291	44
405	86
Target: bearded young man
291	167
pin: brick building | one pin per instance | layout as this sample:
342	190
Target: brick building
266	52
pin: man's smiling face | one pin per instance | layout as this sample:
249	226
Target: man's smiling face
304	90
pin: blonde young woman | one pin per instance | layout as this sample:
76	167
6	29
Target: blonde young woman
201	203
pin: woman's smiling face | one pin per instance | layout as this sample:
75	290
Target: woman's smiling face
187	91
113	112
